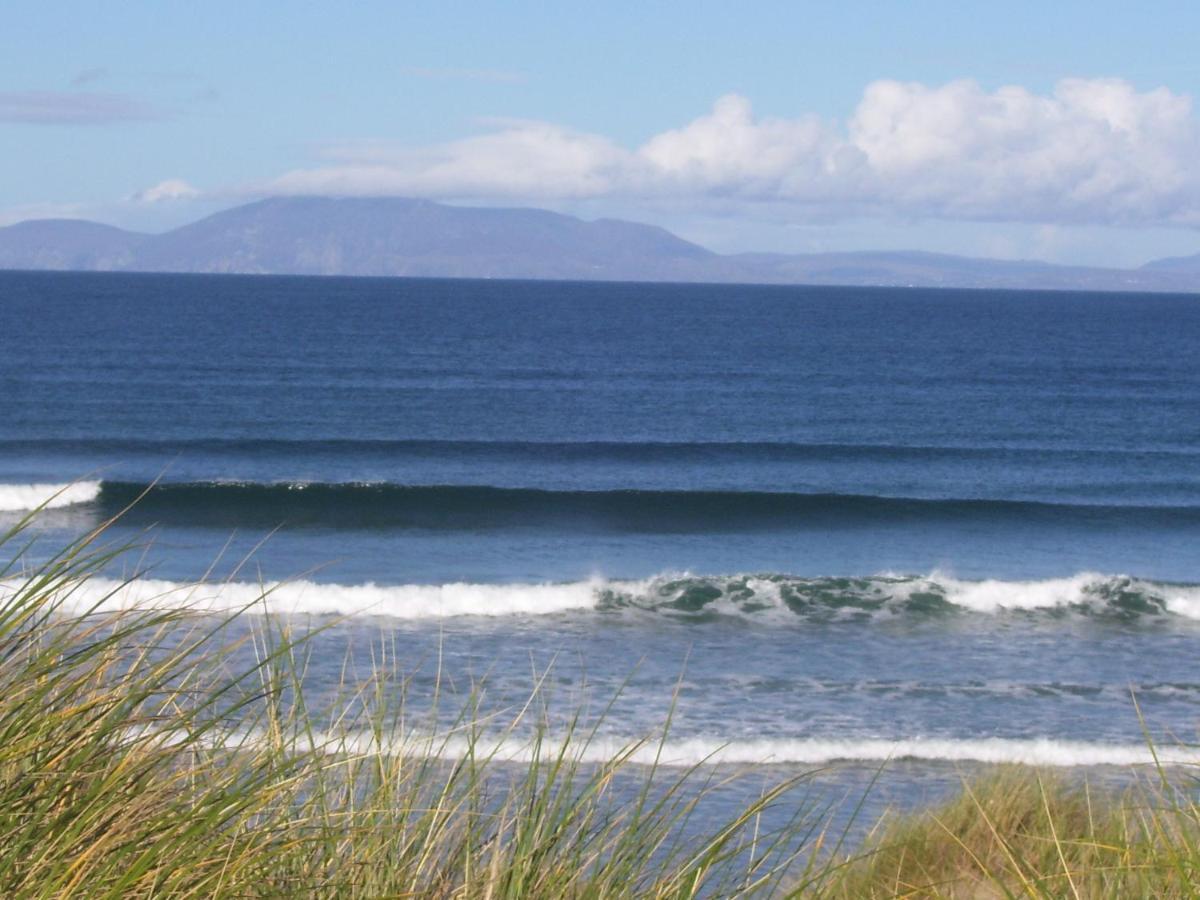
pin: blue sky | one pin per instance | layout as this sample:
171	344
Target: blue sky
1061	131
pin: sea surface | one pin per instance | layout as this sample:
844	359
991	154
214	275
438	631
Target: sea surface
847	527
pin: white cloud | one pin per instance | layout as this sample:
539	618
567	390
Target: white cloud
729	152
521	159
164	191
1092	151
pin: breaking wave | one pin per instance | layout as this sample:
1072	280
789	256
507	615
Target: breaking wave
817	751
688	752
772	598
412	601
893	596
24	497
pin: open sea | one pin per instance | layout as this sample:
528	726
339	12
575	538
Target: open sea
843	527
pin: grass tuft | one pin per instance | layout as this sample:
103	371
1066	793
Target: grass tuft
1021	832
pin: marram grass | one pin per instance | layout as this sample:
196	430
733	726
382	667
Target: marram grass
137	759
1018	832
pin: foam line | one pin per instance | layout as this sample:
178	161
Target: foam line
688	752
777	599
306	597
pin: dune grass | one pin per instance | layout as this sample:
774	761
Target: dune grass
140	758
1018	832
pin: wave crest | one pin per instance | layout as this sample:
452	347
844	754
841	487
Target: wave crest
24	497
769	598
890	596
410	601
688	752
456	506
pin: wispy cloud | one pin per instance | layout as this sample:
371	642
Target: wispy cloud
205	95
89	76
13	214
73	108
496	76
1090	151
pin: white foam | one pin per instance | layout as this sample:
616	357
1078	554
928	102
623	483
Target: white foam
413	601
436	601
1182	601
17	497
688	752
992	596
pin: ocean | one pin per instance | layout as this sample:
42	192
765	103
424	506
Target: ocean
818	527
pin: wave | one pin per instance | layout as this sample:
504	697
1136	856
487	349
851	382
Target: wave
412	601
882	597
24	497
689	752
815	751
1147	692
768	598
389	505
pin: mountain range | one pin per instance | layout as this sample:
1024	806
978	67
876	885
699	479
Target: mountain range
407	237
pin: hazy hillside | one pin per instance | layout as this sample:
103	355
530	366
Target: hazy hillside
943	270
67	244
323	236
396	236
1175	264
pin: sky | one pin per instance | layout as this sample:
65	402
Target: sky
1062	131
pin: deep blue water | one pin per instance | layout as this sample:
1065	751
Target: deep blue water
969	520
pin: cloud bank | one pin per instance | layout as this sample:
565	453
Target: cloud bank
1093	151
